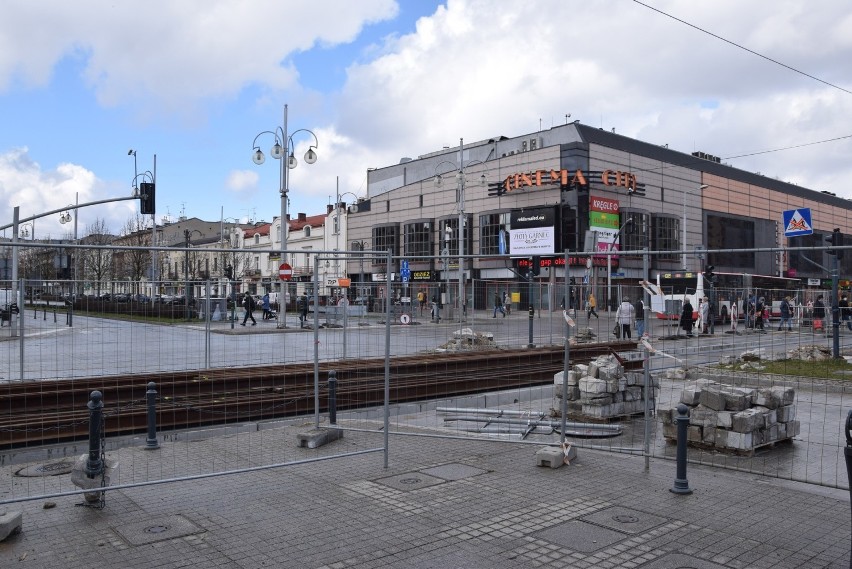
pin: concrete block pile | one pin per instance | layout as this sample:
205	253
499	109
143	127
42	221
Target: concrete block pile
726	417
602	390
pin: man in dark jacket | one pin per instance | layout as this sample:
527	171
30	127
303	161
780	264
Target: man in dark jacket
248	304
686	321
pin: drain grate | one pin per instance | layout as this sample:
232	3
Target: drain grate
48	469
164	529
680	561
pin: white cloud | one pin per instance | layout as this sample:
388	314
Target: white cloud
34	191
159	54
241	181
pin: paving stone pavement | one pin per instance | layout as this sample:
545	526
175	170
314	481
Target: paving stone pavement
444	503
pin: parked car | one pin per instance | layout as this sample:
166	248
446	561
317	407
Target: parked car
140	298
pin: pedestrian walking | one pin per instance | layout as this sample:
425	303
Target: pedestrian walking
787	315
624	317
845	314
507	302
302	307
267	310
818	314
686	321
703	314
498	305
591	305
734	314
759	307
421	301
249	306
639	309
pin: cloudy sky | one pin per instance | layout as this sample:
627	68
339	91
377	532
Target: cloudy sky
83	82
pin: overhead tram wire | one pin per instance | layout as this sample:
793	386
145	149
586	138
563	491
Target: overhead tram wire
751	51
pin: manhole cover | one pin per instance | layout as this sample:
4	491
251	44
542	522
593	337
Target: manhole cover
168	527
625	519
410	481
49	469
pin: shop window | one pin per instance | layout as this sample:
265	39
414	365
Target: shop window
634	237
385	237
418	238
492	228
666	237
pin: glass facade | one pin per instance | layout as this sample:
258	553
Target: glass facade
490	227
418	239
730	233
666	236
385	237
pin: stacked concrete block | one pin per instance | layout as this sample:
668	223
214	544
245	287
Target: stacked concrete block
602	390
726	417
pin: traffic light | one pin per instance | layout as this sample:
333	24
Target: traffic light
536	265
709	275
146	198
835	240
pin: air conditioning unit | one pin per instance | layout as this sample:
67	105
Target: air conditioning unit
524	146
353	208
533	143
511	153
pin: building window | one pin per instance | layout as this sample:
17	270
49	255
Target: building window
307	231
730	233
493	228
385	237
336	224
257	239
666	236
418	239
634	237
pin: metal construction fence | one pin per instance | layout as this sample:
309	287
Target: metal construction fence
248	394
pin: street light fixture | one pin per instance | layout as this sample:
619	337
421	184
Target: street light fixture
284	147
683	245
461	180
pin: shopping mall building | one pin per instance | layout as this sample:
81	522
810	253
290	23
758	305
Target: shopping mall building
577	188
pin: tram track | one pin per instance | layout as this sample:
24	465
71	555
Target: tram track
38	413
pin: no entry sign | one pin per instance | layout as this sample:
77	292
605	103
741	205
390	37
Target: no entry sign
285	272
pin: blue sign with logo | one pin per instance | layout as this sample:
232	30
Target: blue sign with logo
797	222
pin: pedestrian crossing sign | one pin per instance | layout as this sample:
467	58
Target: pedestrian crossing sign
797	222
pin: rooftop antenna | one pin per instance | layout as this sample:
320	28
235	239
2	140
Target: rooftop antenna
568	116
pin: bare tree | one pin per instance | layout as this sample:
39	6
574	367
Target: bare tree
98	262
134	263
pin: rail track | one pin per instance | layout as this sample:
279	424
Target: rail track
38	413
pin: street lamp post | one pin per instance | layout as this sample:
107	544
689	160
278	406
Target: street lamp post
683	245
609	264
461	180
284	151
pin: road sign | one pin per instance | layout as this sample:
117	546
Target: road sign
797	222
404	265
285	272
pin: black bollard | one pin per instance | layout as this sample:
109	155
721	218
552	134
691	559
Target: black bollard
94	464
332	397
532	316
681	484
151	399
847	452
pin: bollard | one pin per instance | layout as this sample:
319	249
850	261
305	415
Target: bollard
94	464
847	452
681	484
532	316
151	399
332	397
